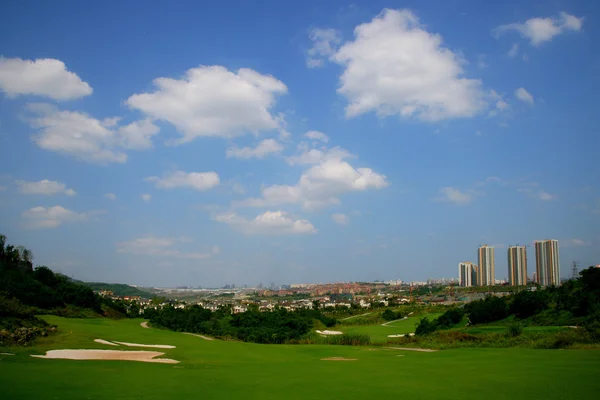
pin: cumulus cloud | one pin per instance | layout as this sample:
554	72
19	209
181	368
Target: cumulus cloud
213	101
523	95
321	185
539	30
263	149
340	219
161	246
52	217
316	135
42	77
146	197
81	136
396	67
110	196
309	156
181	179
453	195
532	190
324	44
269	222
44	187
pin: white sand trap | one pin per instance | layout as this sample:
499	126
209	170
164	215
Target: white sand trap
102	341
338	359
6	354
330	333
412	349
143	356
145	325
200	336
155	346
399	335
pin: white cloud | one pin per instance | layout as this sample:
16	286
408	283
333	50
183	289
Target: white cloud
579	242
44	187
212	101
523	95
269	222
110	196
514	50
263	149
531	189
52	217
316	135
321	185
395	67
78	135
43	77
340	219
325	43
146	197
316	156
539	30
181	179
161	246
454	195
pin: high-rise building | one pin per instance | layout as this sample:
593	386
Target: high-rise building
467	274
517	265
547	264
486	273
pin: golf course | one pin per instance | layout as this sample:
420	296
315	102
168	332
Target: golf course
217	369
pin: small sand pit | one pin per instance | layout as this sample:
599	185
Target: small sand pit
102	341
155	346
144	325
338	359
200	336
412	349
6	354
143	356
400	335
330	333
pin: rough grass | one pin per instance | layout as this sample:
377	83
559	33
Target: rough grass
221	369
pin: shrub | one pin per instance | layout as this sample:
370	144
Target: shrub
515	329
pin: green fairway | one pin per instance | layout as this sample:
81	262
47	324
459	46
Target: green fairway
221	369
379	333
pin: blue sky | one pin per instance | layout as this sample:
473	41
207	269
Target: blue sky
228	142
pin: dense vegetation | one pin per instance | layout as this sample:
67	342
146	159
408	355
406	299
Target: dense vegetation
18	324
119	289
277	326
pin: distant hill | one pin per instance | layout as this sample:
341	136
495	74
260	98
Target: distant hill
120	289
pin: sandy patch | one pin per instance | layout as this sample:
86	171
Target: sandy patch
102	341
143	356
338	359
401	335
6	354
412	349
330	333
145	325
200	336
155	346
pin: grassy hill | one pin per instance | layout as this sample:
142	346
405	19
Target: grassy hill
120	289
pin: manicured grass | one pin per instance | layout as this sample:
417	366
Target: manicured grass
379	333
234	370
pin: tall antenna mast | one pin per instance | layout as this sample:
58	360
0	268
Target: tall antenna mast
575	270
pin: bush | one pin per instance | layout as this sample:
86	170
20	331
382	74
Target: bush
425	327
515	329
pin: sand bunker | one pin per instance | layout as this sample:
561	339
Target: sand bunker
200	336
143	356
144	325
155	346
6	354
412	349
402	335
338	359
330	333
102	341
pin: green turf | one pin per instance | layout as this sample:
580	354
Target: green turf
234	370
379	333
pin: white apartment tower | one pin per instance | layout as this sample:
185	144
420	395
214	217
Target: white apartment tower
467	274
517	265
547	264
486	273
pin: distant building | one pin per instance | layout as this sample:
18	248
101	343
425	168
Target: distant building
517	265
467	274
486	273
547	263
